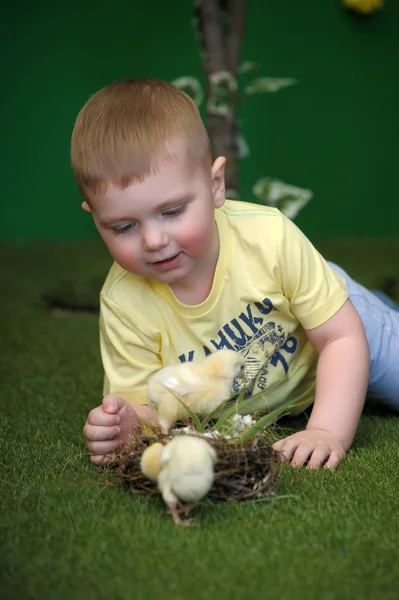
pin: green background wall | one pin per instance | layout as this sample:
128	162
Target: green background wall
335	133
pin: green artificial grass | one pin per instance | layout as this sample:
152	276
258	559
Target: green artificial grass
65	532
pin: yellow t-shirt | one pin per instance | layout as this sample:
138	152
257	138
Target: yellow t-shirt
270	284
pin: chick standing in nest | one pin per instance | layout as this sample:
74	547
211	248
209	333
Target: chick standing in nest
201	387
183	470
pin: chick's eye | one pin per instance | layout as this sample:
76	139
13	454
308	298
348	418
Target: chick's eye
123	229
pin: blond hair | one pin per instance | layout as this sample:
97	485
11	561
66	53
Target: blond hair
123	130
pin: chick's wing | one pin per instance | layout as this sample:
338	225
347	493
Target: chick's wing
185	379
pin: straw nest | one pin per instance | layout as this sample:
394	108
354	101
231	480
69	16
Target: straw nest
243	471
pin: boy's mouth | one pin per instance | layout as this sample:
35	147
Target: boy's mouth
167	262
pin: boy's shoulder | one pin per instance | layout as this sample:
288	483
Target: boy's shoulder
237	209
253	223
121	287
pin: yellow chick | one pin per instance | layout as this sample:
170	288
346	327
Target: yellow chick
150	463
185	471
201	387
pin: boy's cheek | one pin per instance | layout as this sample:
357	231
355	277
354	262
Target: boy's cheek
128	262
195	240
124	255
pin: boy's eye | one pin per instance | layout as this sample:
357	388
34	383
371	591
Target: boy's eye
173	212
123	229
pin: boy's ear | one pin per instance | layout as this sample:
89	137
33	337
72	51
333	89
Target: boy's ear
86	207
218	185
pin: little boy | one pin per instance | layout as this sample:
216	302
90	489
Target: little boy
194	272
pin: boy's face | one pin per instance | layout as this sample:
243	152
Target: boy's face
164	227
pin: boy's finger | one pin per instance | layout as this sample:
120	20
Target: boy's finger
100	459
96	433
286	447
98	417
277	445
104	447
301	455
111	404
319	455
334	459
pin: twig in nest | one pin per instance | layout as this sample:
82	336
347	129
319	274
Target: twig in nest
243	471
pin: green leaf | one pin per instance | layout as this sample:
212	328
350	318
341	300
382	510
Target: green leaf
262	189
248	65
290	206
267	420
250	405
231	411
212	414
242	405
194	417
191	86
264	85
222	93
242	146
287	198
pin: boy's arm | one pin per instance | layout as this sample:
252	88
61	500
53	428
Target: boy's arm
130	354
341	385
130	351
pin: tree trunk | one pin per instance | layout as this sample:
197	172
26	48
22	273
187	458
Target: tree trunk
221	26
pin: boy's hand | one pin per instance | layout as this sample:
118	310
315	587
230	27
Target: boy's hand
313	445
108	427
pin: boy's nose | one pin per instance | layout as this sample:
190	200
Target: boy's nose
153	238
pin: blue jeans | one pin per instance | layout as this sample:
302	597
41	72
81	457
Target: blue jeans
381	323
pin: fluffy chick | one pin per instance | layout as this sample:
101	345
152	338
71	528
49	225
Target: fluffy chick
201	387
150	462
187	473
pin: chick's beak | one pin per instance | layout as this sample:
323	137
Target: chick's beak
241	374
